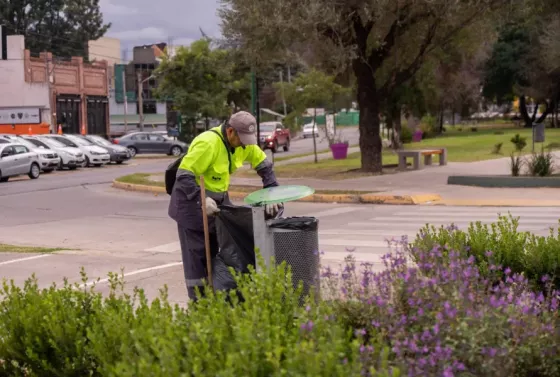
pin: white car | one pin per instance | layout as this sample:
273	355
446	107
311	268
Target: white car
308	130
70	157
93	154
16	159
48	159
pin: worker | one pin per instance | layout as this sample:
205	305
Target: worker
214	154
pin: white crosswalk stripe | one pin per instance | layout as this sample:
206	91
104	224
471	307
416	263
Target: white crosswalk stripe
366	239
363	231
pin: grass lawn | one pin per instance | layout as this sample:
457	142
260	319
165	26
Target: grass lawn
144	179
462	146
5	248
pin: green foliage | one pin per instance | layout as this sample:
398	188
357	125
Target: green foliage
519	142
497	148
75	331
312	89
429	126
62	27
516	164
541	164
406	135
499	244
201	81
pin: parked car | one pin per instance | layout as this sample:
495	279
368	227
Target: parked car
117	153
93	154
70	157
149	142
274	135
48	159
16	159
309	129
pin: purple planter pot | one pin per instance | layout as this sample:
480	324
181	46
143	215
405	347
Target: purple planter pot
339	151
417	136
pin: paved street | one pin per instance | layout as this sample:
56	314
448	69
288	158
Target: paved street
108	229
301	145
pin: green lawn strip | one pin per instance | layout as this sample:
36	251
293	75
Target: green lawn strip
5	248
144	179
307	154
464	146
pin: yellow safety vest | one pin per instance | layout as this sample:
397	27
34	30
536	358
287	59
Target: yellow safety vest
207	156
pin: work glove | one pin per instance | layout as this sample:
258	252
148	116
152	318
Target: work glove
211	207
271	210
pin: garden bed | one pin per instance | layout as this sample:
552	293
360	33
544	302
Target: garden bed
505	181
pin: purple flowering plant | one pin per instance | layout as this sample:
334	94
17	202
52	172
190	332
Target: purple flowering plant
500	243
441	316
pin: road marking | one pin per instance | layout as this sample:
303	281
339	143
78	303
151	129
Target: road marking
335	211
141	271
24	259
451	219
479	215
167	248
359	257
363	232
343	242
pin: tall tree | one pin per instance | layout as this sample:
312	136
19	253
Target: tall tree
197	78
521	64
360	35
311	89
62	27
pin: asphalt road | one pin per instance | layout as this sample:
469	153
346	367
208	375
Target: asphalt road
300	145
105	229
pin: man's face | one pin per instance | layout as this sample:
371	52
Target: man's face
233	138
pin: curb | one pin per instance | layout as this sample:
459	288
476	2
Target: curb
498	203
315	198
503	181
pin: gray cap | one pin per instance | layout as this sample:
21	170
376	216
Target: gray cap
246	126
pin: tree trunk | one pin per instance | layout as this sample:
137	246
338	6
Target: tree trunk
524	113
396	126
369	104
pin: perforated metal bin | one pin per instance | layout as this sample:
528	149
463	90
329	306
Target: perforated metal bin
294	240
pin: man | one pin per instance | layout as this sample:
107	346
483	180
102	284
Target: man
214	154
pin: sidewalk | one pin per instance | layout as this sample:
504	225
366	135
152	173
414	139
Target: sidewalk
432	180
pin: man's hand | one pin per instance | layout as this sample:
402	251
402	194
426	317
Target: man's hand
211	207
272	209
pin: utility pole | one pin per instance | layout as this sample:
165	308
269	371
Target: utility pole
125	98
282	86
140	103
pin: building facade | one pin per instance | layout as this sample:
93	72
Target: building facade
125	115
24	105
70	94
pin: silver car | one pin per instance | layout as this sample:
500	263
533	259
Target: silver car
16	159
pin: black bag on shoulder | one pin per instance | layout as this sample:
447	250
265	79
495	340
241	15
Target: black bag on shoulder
171	174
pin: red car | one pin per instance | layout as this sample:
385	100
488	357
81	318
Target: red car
274	135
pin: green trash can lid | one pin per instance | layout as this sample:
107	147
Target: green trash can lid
278	194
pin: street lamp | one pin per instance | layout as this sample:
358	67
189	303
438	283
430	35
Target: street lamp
140	98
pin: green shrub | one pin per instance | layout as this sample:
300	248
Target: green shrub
499	243
474	129
516	164
406	135
519	142
497	148
541	164
73	331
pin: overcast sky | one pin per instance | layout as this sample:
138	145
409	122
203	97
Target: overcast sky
138	22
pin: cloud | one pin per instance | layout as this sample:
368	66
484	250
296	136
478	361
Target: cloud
182	41
115	10
147	33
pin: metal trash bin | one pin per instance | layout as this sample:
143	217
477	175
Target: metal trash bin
294	240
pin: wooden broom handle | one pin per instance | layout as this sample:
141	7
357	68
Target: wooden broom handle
206	232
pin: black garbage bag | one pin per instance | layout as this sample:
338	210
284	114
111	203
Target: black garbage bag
234	230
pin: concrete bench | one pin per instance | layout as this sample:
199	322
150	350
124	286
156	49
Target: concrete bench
415	155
